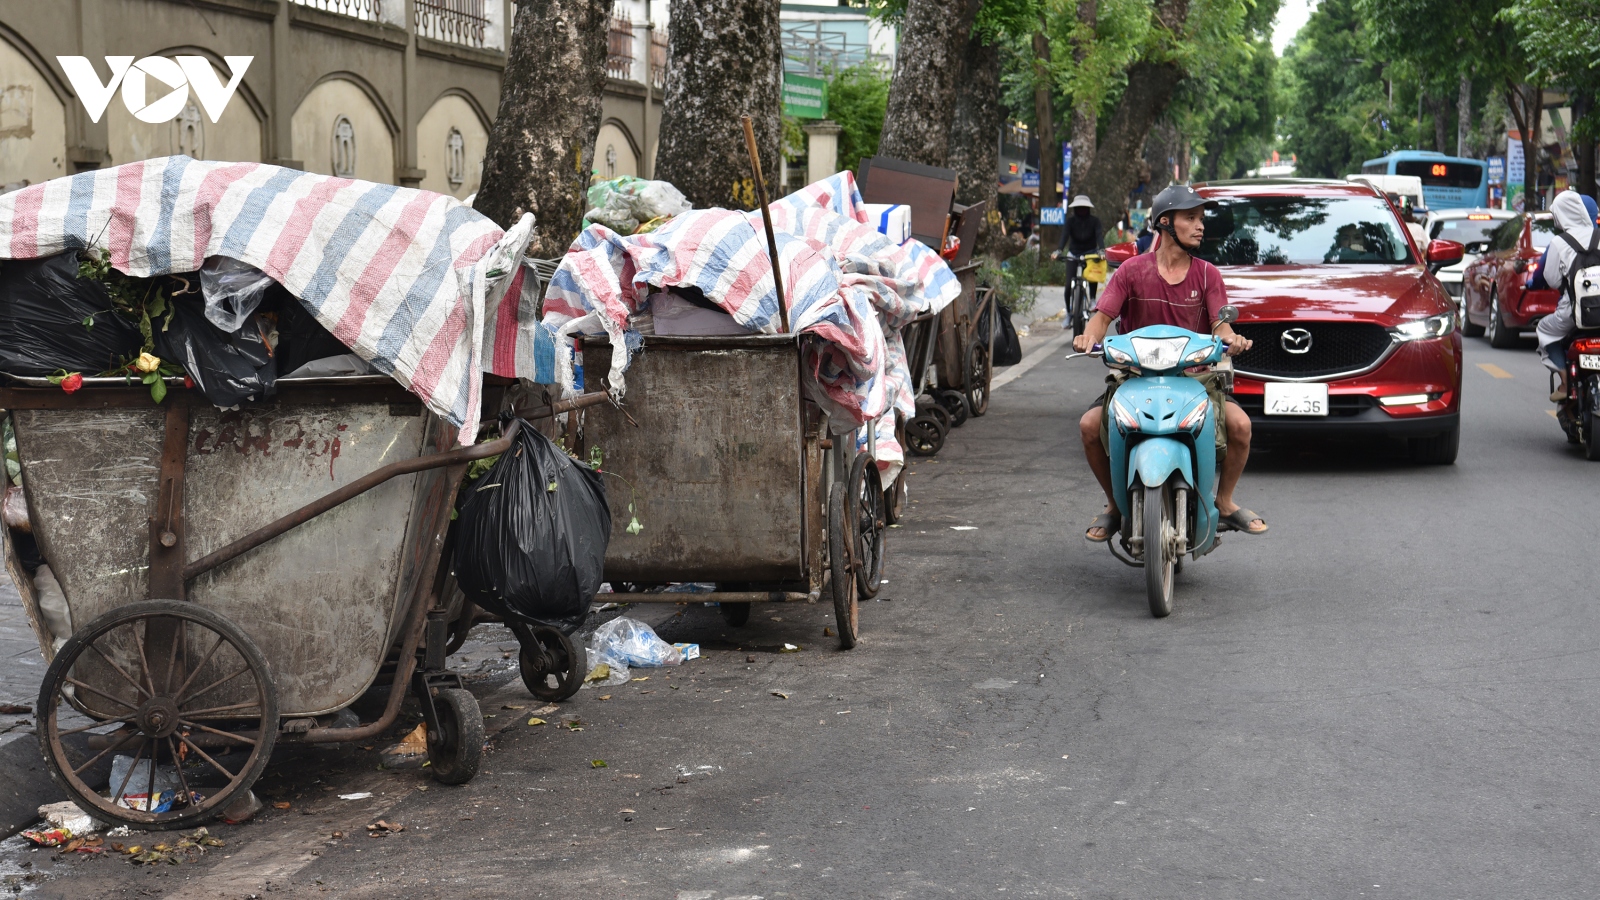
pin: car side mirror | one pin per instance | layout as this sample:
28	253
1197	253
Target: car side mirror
1117	254
1441	253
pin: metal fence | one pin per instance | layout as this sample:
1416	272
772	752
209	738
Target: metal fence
453	21
366	10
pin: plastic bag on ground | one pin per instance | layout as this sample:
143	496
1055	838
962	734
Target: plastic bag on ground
532	535
1007	347
624	642
226	368
43	307
233	290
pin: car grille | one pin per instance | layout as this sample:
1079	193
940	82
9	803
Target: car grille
1340	406
1336	347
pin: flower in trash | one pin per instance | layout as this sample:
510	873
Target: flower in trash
147	363
188	382
69	381
634	527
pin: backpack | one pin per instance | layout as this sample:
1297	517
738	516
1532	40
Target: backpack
1583	280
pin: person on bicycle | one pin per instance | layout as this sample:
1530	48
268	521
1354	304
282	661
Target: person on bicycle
1081	237
1170	287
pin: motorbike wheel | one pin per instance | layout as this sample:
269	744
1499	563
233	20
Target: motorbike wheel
1587	419
1160	561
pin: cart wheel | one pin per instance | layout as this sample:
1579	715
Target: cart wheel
954	403
924	437
865	512
455	748
894	499
735	614
555	669
846	611
177	688
980	370
942	416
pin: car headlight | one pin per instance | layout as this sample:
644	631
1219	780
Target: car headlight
1159	353
1423	329
1126	420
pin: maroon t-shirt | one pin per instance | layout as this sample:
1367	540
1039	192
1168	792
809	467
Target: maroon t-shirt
1139	296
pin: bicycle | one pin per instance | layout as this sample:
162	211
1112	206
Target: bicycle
1080	297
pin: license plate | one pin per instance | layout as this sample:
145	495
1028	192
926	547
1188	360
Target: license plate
1589	360
1296	399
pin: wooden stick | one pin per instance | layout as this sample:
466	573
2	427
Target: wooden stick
766	217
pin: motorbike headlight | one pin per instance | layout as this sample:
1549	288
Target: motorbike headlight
1196	417
1159	353
1126	420
1423	329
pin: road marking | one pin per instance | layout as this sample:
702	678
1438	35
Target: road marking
1029	361
1494	370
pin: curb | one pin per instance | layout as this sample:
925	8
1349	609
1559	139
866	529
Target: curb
25	785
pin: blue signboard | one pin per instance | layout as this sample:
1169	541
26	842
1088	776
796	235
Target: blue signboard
1497	170
1030	179
1066	169
1052	215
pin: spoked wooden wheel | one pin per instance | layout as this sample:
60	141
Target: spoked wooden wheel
176	690
980	370
846	608
865	512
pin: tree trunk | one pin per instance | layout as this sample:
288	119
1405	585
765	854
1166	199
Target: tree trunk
541	148
1463	114
1583	146
975	135
1049	150
726	62
1085	114
922	96
1116	168
1527	105
1437	106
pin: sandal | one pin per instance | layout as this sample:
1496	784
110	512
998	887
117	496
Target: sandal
1240	519
1110	522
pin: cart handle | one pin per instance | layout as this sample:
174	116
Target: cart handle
349	492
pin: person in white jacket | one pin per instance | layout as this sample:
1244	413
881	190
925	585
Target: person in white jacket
1572	217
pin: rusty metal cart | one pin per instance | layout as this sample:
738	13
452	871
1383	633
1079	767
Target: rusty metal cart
180	633
735	480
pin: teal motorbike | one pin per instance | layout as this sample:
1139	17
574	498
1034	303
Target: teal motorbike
1163	450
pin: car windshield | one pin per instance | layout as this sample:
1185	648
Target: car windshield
1463	231
1544	228
1276	231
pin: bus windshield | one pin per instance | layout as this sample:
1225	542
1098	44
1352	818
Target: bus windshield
1276	231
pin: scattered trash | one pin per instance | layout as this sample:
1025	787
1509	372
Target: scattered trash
513	706
624	642
780	695
533	533
407	750
597	764
605	696
689	651
546	710
14	709
48	837
827	632
381	828
690	587
361	795
644	677
963	528
536	721
172	853
750	657
67	815
233	290
243	809
138	790
630	205
790	648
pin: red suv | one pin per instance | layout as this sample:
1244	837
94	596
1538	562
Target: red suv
1353	335
1493	300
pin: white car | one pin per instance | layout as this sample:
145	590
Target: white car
1469	227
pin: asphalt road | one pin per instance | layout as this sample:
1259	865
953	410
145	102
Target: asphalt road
1393	693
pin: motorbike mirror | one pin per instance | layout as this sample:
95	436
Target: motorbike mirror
1228	315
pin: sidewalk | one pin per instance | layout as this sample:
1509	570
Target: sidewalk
21	665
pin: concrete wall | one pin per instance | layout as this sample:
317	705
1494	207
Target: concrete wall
33	123
452	115
329	103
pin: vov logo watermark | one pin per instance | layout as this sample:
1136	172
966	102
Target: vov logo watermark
180	74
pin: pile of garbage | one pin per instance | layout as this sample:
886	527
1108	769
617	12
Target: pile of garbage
630	205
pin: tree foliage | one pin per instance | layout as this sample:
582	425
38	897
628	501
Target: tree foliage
857	99
1560	40
1336	112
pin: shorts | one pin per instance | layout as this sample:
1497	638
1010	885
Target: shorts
1213	382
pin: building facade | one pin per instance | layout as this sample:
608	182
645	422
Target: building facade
397	91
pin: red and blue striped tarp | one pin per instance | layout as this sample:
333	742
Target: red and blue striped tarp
418	284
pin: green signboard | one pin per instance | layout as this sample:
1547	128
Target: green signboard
805	97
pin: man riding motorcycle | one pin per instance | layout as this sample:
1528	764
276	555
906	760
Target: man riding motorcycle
1169	286
1575	224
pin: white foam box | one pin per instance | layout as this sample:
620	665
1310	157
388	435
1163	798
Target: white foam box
892	219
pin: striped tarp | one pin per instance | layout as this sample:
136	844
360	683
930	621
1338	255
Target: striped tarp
414	282
844	282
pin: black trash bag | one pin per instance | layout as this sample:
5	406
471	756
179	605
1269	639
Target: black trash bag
301	338
1007	349
532	534
43	305
226	368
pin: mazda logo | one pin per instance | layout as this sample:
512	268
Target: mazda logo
1296	341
